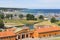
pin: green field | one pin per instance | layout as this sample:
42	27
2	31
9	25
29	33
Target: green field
19	22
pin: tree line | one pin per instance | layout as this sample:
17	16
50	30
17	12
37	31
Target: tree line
28	17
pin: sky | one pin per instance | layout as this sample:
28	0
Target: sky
32	4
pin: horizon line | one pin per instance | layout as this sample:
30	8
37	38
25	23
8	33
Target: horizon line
29	8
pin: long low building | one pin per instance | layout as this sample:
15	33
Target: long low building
46	32
7	35
25	32
51	31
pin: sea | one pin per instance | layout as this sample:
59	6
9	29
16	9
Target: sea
45	12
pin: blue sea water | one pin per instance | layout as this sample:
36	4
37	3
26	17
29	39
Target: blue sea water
45	12
41	10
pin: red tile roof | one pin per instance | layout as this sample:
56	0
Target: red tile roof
11	29
6	33
40	30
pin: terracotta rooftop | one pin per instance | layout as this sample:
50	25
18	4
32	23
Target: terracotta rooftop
11	29
41	30
6	33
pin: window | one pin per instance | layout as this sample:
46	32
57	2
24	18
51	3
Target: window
55	33
27	35
23	36
43	35
32	37
49	34
18	36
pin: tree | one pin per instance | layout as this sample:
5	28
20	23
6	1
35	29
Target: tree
9	16
1	16
41	17
59	24
35	18
15	15
53	20
30	17
21	16
1	23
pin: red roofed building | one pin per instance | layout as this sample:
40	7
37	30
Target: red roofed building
46	32
39	32
7	35
10	29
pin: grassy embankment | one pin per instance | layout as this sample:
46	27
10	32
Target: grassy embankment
19	22
46	23
22	22
58	23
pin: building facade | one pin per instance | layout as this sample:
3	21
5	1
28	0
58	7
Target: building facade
25	33
7	35
46	32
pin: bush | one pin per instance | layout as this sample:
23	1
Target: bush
59	24
41	17
1	23
35	18
1	16
0	30
53	20
21	16
30	17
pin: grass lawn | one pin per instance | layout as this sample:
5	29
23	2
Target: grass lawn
46	23
22	22
58	23
19	22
